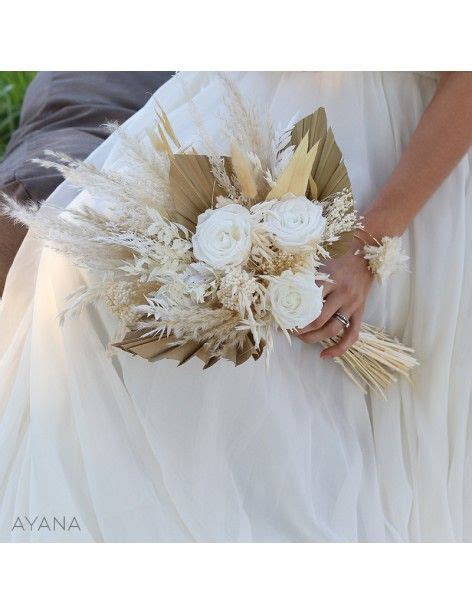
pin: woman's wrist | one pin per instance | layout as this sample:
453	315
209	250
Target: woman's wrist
379	222
380	246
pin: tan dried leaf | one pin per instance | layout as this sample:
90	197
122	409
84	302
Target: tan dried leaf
155	348
193	186
328	172
294	179
313	188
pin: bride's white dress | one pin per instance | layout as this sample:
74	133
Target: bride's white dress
151	452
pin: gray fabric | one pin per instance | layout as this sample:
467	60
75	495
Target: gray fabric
65	111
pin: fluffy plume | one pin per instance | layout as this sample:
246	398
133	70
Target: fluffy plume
22	213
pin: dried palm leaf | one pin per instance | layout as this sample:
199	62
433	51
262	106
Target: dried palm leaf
249	350
313	188
193	186
329	172
338	181
157	347
295	177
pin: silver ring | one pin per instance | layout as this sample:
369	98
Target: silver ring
343	319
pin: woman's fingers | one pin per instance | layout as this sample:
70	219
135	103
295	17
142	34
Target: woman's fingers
331	305
350	336
328	287
331	329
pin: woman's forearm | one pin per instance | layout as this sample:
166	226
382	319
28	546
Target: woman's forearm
11	236
442	137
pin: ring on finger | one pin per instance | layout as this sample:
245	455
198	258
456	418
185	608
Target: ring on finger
343	319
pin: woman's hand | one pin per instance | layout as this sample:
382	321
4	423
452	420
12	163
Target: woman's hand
442	137
346	293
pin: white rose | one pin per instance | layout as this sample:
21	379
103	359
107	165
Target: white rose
295	299
295	222
223	236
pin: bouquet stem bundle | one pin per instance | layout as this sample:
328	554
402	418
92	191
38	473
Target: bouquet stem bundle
375	358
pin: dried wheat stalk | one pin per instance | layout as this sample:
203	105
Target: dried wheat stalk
374	359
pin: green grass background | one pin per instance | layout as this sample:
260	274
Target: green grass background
13	85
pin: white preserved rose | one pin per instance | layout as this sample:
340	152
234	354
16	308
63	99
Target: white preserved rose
223	236
295	222
295	299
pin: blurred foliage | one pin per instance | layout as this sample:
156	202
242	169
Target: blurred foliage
13	85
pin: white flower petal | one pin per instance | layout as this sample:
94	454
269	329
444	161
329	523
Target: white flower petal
295	299
295	223
223	236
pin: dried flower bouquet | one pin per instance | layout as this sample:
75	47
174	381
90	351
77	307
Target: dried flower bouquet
208	255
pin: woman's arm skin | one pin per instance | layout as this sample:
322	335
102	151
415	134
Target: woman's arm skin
11	236
442	137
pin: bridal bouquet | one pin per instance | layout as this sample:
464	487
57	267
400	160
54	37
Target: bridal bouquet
207	254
